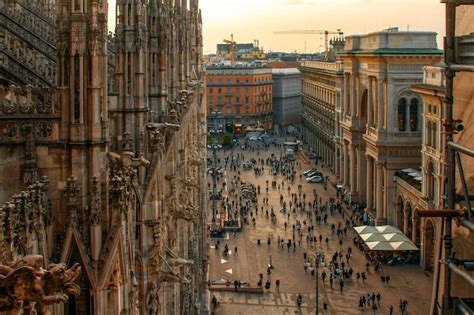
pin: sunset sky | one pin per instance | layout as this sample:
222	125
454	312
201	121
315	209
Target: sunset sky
258	19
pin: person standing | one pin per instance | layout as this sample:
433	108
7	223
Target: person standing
235	251
277	283
390	308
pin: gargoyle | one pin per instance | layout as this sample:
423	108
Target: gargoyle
27	280
126	161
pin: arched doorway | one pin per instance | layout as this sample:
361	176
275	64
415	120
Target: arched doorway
429	247
400	208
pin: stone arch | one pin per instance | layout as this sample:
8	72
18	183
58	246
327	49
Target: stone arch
429	250
400	212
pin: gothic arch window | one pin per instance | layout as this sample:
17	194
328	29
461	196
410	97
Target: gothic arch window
414	110
428	134
402	114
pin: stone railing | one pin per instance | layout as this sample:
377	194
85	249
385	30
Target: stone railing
34	102
324	65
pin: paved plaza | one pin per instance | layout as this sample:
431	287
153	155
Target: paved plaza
408	282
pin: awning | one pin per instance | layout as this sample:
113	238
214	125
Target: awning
373	237
385	238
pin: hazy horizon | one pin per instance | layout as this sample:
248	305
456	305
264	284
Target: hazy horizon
248	20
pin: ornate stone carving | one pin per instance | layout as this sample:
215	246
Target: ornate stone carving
153	298
26	280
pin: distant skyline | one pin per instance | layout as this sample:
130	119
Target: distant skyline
258	19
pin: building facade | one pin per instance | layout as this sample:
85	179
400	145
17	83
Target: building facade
321	110
381	116
239	97
286	97
106	163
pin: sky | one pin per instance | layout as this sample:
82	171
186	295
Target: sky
258	19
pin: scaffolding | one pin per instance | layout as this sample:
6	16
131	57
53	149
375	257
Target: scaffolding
454	63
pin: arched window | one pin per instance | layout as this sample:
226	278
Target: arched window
402	114
414	114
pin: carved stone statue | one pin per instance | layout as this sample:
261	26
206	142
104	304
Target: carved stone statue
27	280
152	298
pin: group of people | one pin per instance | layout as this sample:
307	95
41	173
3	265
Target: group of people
302	216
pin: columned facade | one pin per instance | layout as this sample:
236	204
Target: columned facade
321	86
381	116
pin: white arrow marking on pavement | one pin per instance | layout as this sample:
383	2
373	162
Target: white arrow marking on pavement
229	271
223	261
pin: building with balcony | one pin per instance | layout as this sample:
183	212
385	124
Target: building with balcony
321	109
381	114
286	97
239	97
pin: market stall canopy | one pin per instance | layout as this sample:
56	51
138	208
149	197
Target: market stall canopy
384	229
379	246
395	237
405	245
366	229
385	238
373	237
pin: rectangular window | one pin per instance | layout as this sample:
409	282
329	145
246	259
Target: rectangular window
211	91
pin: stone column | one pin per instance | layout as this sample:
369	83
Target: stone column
346	165
369	103
353	167
353	100
380	104
361	172
346	94
370	184
380	220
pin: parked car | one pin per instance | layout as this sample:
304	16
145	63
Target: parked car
305	173
315	179
311	174
253	138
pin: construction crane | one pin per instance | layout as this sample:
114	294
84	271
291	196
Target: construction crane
232	44
313	32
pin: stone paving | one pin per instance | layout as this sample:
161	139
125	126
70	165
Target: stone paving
407	282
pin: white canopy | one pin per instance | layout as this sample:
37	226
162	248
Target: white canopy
373	237
384	229
395	237
379	246
384	238
405	245
365	229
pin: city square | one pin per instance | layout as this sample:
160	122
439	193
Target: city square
408	282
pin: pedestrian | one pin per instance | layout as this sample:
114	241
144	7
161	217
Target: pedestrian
331	279
323	277
387	279
277	283
299	300
378	296
341	284
390	308
236	253
374	307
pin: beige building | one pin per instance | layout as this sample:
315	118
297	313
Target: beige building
321	110
102	151
381	116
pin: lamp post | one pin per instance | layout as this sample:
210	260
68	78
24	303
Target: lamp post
318	257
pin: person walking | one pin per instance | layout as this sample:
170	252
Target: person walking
236	253
277	284
299	300
378	296
341	285
390	309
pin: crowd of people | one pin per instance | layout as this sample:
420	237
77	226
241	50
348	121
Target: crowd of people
303	216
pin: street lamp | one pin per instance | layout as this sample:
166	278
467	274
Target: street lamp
318	257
